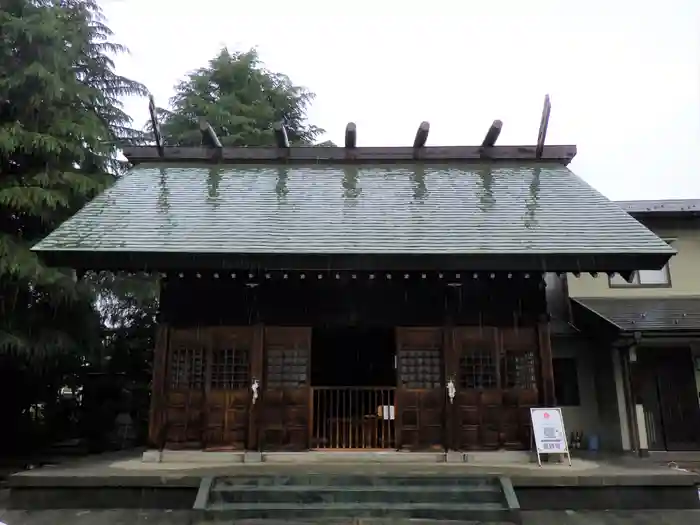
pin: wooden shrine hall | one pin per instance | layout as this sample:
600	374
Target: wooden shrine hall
351	297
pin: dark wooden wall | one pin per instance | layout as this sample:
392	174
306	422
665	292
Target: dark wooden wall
191	302
222	334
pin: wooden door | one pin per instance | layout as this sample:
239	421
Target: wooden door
495	374
678	399
475	411
664	382
184	391
284	411
228	388
518	371
420	393
473	366
645	384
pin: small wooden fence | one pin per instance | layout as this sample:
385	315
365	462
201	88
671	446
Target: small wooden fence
353	418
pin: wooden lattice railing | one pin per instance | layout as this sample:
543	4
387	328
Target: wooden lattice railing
353	418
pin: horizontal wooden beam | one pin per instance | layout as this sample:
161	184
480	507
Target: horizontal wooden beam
127	259
340	155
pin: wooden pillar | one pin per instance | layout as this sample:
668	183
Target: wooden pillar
450	361
630	383
256	372
156	420
450	371
546	369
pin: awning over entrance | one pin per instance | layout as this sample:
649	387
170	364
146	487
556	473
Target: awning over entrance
520	217
659	315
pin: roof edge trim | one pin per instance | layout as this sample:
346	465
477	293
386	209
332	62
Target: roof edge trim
503	262
563	154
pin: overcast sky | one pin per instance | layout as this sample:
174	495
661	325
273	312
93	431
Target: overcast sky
623	75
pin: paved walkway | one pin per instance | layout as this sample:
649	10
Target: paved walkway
135	517
129	464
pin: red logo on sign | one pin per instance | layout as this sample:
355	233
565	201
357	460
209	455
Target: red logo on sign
546	415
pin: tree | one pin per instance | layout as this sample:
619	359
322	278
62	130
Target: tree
241	100
61	124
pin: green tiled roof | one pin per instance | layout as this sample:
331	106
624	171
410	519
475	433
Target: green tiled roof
387	209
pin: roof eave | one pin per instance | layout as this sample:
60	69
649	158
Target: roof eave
506	262
642	215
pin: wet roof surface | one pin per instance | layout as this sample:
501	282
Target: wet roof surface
391	209
659	313
662	206
164	517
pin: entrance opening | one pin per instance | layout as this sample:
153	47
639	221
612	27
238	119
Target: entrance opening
353	379
668	391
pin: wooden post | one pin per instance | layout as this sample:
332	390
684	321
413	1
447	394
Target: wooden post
156	127
421	135
351	135
544	123
156	420
256	372
209	138
492	134
281	135
629	382
546	369
450	370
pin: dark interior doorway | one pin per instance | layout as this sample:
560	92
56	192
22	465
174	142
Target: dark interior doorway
666	387
353	356
353	378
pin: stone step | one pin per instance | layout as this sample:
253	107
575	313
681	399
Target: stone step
348	480
310	494
478	512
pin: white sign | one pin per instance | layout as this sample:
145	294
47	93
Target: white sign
548	432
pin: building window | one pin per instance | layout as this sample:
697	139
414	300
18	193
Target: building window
645	278
420	367
478	366
229	369
186	368
566	381
518	370
287	366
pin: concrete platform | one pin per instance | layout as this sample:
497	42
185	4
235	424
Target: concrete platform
165	517
203	458
125	481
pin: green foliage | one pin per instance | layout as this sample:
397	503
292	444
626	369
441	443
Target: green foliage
61	123
61	126
241	100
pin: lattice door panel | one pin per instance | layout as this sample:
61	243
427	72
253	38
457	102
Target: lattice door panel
285	408
185	385
229	388
420	398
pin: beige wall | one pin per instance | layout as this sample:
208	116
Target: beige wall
684	266
584	417
600	394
